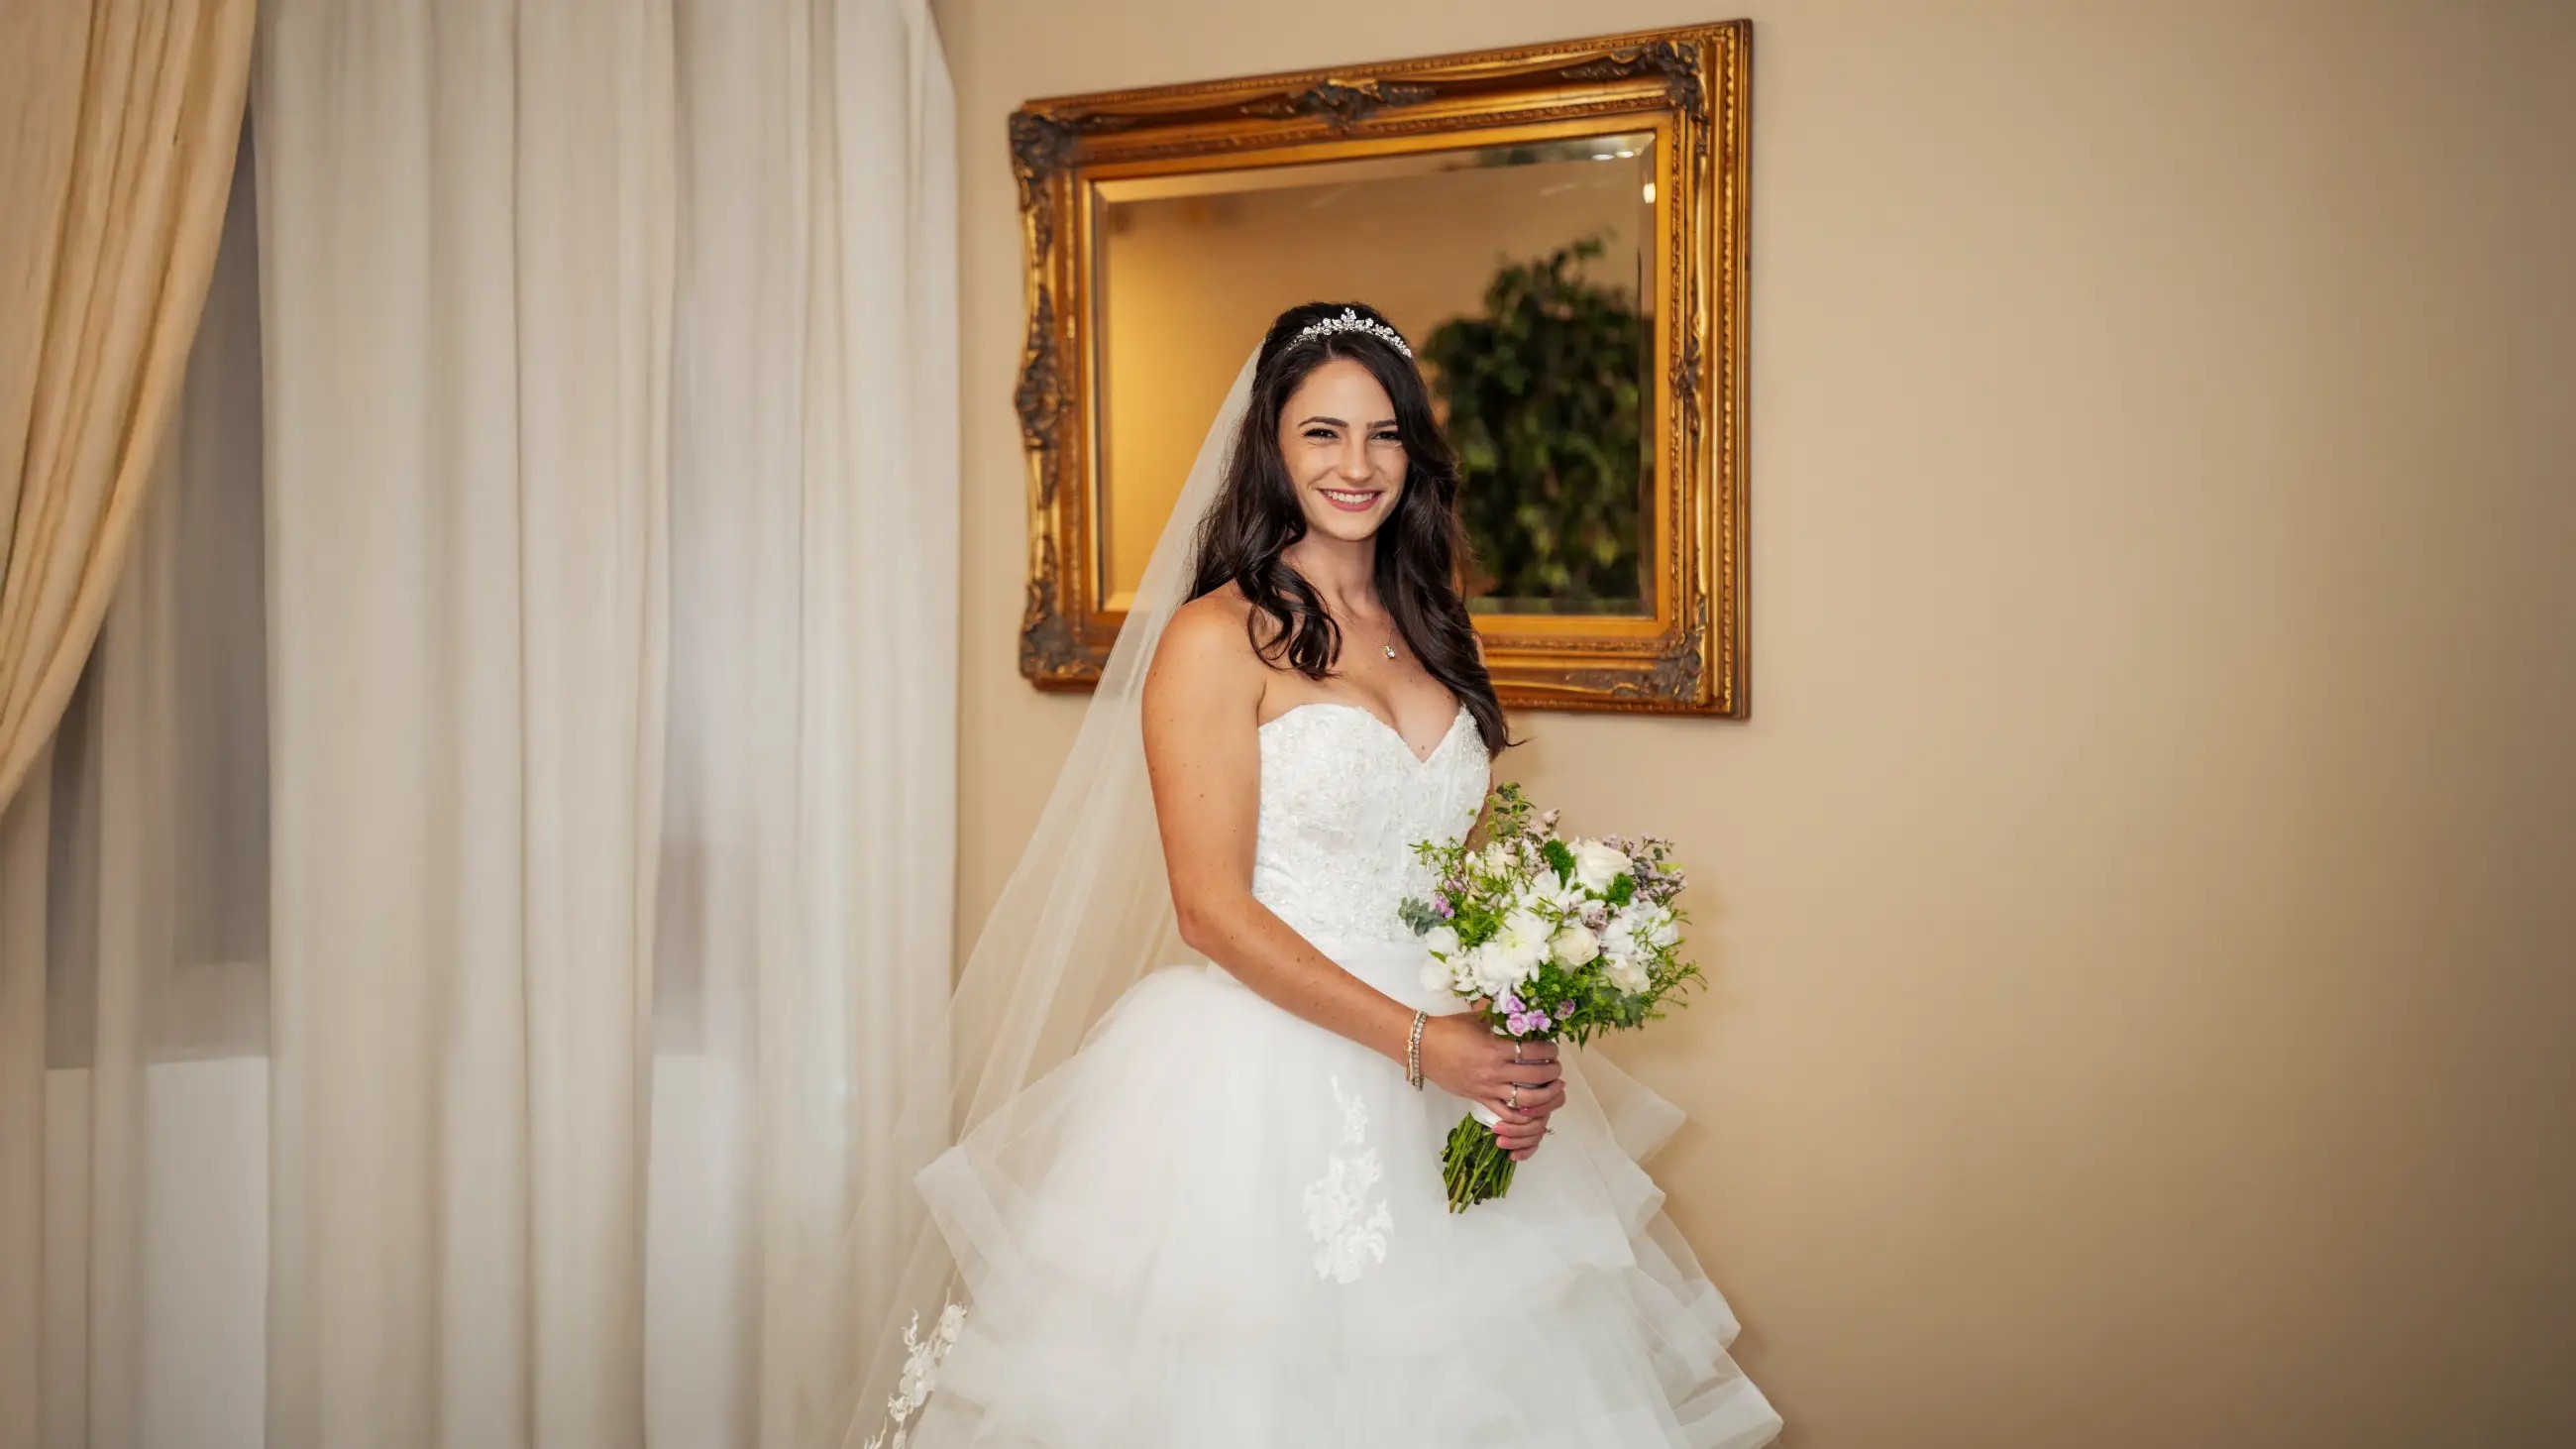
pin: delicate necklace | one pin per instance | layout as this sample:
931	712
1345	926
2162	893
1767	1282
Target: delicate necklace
1387	648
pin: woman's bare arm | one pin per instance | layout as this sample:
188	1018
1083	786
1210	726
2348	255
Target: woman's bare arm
1203	754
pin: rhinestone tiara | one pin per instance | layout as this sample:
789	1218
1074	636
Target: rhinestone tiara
1351	321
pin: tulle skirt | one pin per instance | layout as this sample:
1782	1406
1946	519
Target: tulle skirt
1220	1227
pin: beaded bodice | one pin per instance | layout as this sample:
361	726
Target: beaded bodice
1343	798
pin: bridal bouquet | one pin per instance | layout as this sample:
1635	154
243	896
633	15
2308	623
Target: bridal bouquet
1548	939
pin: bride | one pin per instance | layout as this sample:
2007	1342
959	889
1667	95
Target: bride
1200	1206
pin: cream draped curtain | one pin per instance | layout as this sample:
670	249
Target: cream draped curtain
121	117
526	951
118	129
133	921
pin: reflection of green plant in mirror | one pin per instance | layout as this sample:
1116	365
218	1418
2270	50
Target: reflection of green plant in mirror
1541	399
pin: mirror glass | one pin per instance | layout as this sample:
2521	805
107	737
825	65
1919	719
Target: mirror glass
1517	272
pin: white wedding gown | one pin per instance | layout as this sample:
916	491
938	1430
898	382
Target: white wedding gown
1220	1227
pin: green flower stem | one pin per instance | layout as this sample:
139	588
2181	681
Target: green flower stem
1474	1167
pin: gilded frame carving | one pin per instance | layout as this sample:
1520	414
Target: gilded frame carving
1689	84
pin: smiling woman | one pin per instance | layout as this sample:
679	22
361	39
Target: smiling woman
1354	465
1355	461
1215	1219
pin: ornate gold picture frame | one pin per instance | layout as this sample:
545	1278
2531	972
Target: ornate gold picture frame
1468	150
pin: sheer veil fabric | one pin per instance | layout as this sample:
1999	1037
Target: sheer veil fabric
1086	913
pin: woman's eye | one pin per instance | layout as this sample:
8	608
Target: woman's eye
1390	437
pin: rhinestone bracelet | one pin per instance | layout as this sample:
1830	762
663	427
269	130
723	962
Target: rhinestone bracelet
1413	1052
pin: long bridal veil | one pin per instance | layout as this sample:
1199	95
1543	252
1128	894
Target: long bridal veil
1085	914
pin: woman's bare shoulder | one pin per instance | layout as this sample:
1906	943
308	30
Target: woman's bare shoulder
1207	624
1207	645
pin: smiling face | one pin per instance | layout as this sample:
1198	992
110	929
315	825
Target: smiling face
1338	437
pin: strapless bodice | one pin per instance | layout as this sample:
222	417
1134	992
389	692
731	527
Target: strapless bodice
1343	798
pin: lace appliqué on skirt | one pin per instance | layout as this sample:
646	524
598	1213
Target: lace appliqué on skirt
1349	1227
920	1374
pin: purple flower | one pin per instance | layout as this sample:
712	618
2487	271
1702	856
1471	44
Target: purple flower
1447	911
1512	1004
1564	1009
1516	1023
1538	1021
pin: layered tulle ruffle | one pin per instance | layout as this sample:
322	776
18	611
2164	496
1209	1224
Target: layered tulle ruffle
1219	1225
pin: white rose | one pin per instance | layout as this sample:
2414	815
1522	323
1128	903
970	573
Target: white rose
1441	941
1628	974
1574	946
1596	864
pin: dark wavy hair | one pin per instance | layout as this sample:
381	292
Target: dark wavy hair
1257	515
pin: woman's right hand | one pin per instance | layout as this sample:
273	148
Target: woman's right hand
1467	1060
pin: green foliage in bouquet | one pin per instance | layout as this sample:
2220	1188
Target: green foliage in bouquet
1542	402
1548	939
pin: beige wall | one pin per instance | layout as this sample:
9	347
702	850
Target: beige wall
2142	899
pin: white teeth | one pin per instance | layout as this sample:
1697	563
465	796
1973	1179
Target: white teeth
1349	497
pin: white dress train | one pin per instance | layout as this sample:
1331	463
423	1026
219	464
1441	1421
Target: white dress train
1220	1227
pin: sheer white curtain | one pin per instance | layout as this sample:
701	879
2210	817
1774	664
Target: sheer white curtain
572	876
